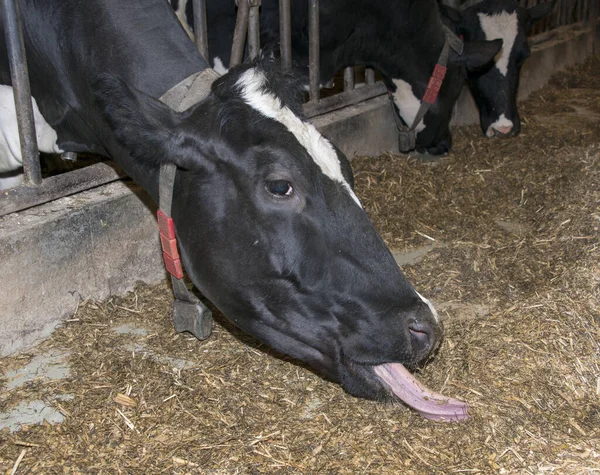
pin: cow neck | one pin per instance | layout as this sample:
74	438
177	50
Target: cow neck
189	314
407	136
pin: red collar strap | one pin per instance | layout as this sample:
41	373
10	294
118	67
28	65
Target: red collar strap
168	242
189	313
407	135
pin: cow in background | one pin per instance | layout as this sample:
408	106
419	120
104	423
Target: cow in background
401	39
495	88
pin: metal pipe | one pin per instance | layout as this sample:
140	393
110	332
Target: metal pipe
314	44
369	76
22	92
349	78
285	33
200	28
254	29
239	34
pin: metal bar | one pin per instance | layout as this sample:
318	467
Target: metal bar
22	92
314	43
343	99
349	78
200	28
370	76
54	187
239	34
254	29
285	33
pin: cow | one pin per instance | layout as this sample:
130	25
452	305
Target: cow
11	160
268	224
403	40
495	88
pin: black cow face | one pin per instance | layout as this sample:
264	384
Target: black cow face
495	88
433	131
271	231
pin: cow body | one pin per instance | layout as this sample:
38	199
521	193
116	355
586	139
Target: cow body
268	225
495	88
402	40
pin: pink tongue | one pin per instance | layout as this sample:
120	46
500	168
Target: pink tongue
427	403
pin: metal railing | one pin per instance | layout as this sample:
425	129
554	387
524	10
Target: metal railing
35	190
247	26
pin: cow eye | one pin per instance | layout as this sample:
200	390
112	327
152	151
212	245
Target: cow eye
280	188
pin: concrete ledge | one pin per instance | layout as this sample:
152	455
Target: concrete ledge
90	245
102	241
364	129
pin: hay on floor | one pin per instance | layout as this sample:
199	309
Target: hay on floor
514	267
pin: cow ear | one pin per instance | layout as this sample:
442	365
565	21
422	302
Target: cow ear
476	54
146	127
538	12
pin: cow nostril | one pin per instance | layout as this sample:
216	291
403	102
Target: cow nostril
423	337
504	130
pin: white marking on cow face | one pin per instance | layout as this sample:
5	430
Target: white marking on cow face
219	67
502	125
431	308
10	145
253	91
407	103
505	26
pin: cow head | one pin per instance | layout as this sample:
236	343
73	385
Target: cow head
495	88
271	231
408	85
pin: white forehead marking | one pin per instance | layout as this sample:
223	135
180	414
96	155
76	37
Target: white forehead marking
503	25
407	103
499	125
219	67
433	310
253	91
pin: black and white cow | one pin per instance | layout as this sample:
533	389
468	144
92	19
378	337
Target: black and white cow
269	227
495	88
401	39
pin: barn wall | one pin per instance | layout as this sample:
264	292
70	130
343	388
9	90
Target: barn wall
101	242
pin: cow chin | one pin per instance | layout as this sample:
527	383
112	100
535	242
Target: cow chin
336	359
439	147
361	380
